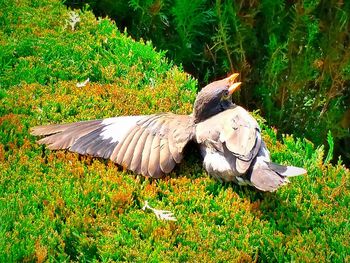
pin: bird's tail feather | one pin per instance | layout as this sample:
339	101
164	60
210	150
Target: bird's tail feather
271	176
287	171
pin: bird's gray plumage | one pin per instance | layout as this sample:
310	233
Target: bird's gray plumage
228	136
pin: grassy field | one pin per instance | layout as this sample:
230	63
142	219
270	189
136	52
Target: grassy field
58	206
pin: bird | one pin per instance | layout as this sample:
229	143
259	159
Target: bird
228	136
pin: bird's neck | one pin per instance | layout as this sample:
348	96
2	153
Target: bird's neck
202	112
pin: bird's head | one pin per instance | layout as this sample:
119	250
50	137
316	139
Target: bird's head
215	98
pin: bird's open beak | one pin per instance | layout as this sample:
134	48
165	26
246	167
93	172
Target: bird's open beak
233	85
233	77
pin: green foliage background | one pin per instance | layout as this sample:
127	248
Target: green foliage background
58	206
293	56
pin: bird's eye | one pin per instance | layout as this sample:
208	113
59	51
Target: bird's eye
225	95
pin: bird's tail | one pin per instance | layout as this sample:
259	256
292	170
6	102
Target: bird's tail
268	176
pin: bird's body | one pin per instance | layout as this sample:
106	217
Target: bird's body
228	136
226	150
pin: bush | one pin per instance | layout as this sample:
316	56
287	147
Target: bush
59	206
293	56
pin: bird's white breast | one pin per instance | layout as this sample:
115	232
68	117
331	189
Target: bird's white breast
217	165
216	162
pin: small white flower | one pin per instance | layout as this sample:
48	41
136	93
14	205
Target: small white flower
83	84
73	19
160	214
152	81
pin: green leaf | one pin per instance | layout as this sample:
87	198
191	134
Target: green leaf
330	142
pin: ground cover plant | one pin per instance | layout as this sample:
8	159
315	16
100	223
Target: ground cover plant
59	206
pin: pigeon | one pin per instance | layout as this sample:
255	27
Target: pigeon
229	139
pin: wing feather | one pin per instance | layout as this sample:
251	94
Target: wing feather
167	163
153	163
128	156
57	128
175	152
146	154
125	143
150	145
64	140
137	157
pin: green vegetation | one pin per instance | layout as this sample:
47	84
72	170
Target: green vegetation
293	56
58	206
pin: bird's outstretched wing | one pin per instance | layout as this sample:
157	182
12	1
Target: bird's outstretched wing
234	133
150	145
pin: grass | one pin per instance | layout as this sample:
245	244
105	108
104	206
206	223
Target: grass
58	206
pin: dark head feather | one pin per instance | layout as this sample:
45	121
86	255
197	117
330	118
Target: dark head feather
213	99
